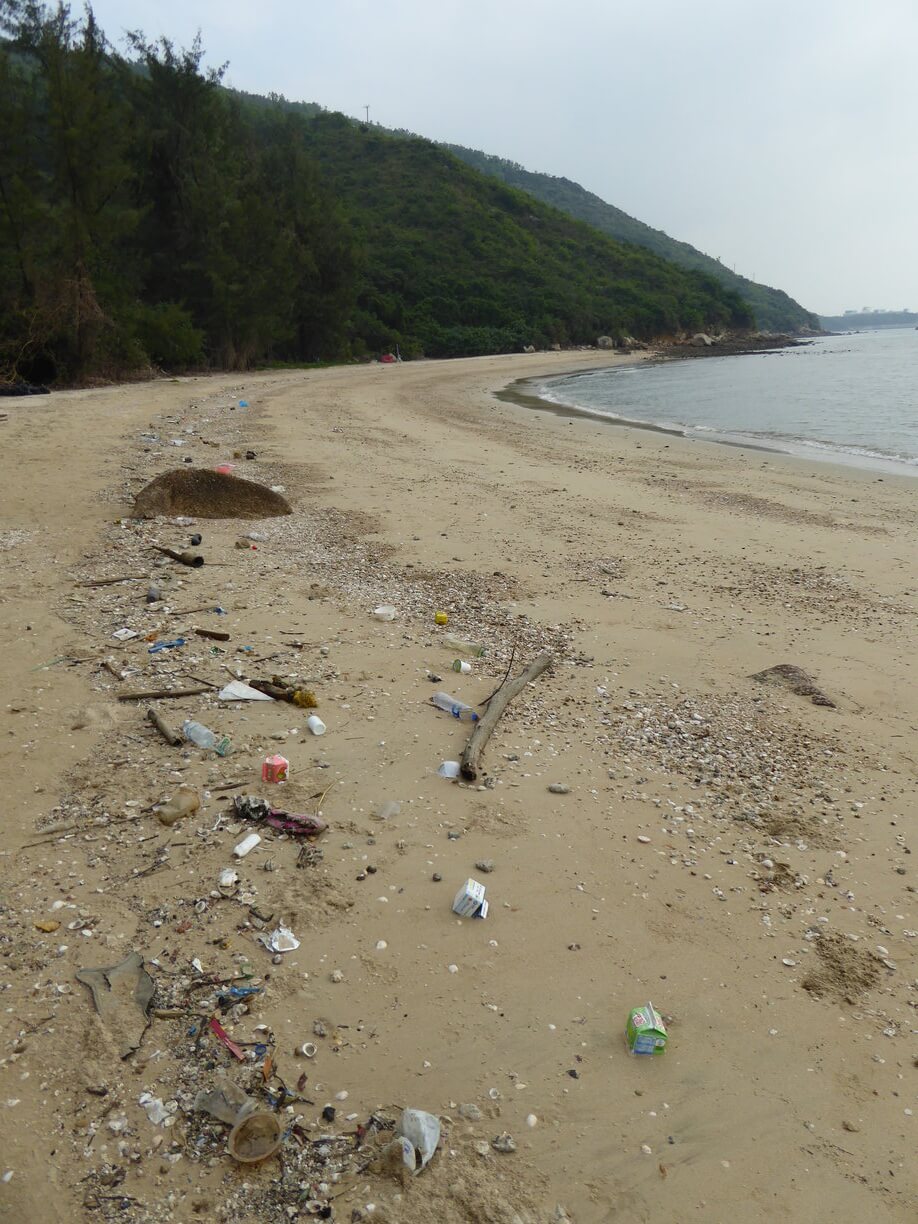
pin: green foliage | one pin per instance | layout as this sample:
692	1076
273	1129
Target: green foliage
148	215
774	310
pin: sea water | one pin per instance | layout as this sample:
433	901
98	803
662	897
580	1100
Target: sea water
848	398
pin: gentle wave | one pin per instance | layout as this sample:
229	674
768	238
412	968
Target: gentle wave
861	410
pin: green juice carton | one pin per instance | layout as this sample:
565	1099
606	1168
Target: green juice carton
646	1032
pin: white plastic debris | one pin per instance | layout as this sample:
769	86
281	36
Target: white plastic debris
385	612
125	635
282	939
420	1134
449	769
238	690
248	843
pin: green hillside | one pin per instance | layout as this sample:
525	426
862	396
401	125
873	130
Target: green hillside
774	310
456	263
149	216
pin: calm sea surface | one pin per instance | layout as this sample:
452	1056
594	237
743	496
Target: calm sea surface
850	399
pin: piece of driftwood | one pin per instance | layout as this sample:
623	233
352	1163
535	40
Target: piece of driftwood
216	634
155	694
195	560
100	582
112	669
170	736
468	762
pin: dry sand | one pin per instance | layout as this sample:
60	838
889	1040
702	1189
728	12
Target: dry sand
731	851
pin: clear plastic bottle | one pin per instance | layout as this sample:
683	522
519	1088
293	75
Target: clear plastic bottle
474	650
453	706
198	734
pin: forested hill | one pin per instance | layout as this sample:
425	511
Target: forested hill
774	310
457	263
149	216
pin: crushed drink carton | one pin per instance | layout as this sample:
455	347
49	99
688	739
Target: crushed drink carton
646	1032
470	901
274	769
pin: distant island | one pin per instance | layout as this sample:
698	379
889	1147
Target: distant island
856	320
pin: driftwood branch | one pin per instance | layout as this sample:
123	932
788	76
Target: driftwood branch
496	705
155	694
217	634
170	736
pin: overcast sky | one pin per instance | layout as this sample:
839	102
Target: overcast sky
779	137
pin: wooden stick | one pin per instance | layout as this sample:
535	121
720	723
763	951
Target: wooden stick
99	582
508	690
156	694
195	560
170	736
110	667
216	634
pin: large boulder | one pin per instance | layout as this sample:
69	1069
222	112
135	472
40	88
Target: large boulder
605	342
702	340
204	493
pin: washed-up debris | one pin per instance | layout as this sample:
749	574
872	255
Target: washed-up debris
125	634
158	1112
171	644
227	881
452	705
385	612
786	675
497	703
192	559
316	725
645	1032
185	801
419	1135
281	939
248	807
276	688
503	1143
207	494
248	843
197	733
227	1102
123	995
470	900
238	690
224	1038
449	769
171	737
255	1137
274	768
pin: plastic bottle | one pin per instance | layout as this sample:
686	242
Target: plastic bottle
453	706
473	649
315	724
198	734
185	801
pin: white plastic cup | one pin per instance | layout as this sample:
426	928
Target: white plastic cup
459	665
449	769
316	725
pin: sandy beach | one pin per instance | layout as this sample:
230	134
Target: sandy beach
726	848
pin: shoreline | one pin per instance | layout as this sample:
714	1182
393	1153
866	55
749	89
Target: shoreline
724	847
522	392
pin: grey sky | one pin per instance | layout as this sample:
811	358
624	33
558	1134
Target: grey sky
780	137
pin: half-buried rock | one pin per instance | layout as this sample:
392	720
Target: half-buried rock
207	494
